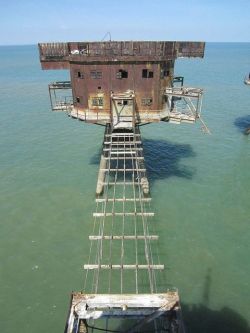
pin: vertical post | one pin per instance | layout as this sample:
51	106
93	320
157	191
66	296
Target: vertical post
133	117
51	105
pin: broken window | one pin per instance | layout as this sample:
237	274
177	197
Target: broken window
147	74
150	74
146	101
79	75
97	101
96	75
125	102
122	74
78	100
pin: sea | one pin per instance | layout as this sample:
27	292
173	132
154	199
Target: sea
200	185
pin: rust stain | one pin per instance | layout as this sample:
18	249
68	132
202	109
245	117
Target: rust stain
99	69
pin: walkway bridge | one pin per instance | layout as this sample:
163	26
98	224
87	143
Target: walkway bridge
123	270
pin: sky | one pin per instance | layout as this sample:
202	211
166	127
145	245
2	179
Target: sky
33	21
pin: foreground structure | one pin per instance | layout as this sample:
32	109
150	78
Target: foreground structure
123	85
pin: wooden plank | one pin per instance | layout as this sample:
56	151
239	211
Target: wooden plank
121	143
113	313
124	152
122	170
130	149
125	237
150	214
125	158
102	301
117	135
95	306
123	183
94	266
122	199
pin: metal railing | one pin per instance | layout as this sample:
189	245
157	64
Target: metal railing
60	51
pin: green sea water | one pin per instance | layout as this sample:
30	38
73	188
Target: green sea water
199	184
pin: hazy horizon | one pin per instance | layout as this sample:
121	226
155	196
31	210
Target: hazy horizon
29	22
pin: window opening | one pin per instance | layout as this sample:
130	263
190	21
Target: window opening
122	74
97	101
96	75
150	74
79	75
146	74
164	73
147	101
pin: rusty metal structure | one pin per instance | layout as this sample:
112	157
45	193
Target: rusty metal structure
123	85
116	82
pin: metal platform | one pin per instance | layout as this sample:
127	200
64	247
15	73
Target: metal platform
60	93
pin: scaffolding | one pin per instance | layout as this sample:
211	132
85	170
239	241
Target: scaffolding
184	104
60	94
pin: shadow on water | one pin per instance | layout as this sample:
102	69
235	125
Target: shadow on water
243	124
199	318
162	159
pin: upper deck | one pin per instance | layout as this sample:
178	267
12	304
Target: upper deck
60	55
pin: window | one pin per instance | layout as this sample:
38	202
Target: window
121	74
150	74
164	73
78	100
96	75
124	102
97	101
146	101
79	74
146	74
